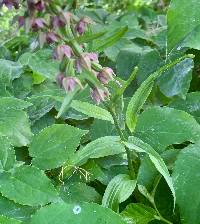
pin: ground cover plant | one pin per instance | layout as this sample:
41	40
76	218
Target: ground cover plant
99	112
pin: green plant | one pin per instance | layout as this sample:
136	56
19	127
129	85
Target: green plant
99	115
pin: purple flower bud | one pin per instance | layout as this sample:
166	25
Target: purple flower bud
69	83
51	37
105	75
59	79
82	25
61	51
40	6
99	95
21	21
93	56
57	22
37	24
11	3
83	62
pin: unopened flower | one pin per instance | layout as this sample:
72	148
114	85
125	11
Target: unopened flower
11	3
83	62
37	24
105	75
99	95
21	21
59	79
93	56
66	17
82	25
57	22
40	6
62	51
51	37
69	83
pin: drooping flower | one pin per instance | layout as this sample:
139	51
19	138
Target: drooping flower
93	56
21	21
99	95
57	22
83	62
82	25
59	79
61	51
11	3
38	24
69	83
51	37
105	75
40	6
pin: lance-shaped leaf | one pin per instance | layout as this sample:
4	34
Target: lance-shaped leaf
139	146
140	96
118	190
91	110
101	147
109	41
27	185
54	145
90	36
76	213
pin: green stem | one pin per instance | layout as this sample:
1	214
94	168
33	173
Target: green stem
123	138
160	216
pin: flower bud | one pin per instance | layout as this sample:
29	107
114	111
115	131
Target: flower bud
37	24
105	75
40	6
83	62
21	21
11	3
93	56
82	25
59	79
57	22
99	95
69	83
62	51
51	37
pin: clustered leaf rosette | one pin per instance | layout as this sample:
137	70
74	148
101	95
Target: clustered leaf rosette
59	27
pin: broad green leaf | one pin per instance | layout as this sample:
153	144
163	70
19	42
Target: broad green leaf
6	220
137	213
27	185
187	183
91	110
41	105
139	146
7	154
76	213
76	192
54	145
101	128
183	19
118	190
15	125
163	126
41	63
13	210
8	72
176	81
109	41
191	104
7	103
101	147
